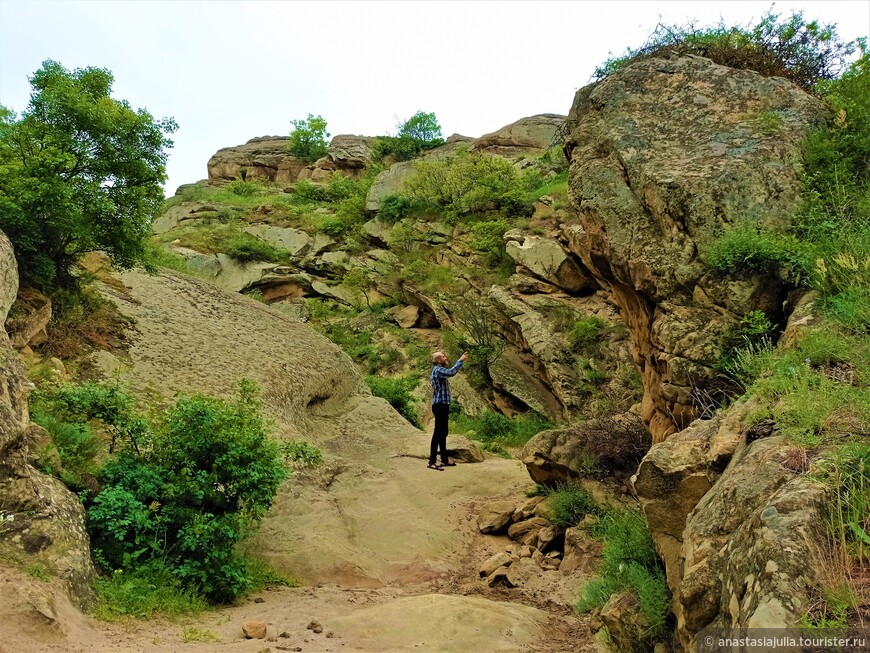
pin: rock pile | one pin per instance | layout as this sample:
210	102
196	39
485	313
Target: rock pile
538	545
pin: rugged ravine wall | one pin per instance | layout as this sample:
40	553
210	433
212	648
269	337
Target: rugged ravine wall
665	155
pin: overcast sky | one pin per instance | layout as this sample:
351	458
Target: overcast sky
228	71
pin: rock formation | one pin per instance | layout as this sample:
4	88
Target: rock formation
525	137
41	521
263	159
737	523
665	155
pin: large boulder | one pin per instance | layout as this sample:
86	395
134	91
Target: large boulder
736	526
41	522
664	155
613	444
295	241
525	137
347	154
28	318
546	259
265	158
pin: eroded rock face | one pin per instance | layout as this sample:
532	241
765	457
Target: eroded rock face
40	520
664	155
348	155
737	528
264	159
526	137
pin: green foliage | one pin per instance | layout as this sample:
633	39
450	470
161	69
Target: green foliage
468	183
586	333
570	504
188	500
79	171
802	51
194	634
803	388
488	239
749	250
39	571
497	429
76	445
246	247
398	392
846	470
301	453
418	133
228	239
629	562
148	592
395	207
242	188
308	139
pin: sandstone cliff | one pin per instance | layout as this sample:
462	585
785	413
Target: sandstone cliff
665	154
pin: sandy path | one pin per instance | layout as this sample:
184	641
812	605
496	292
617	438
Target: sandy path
387	550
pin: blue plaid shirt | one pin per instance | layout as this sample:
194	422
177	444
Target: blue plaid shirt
440	380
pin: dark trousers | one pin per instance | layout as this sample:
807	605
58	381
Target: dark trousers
439	435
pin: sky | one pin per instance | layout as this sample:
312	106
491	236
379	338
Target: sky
229	71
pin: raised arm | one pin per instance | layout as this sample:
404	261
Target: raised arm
448	371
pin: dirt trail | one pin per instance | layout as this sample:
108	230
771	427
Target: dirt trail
387	550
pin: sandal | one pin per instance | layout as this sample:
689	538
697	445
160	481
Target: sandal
436	466
448	464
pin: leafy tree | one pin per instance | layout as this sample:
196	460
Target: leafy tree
419	132
79	171
423	129
308	140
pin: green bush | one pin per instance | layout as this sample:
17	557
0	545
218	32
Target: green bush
466	184
397	391
395	207
570	504
585	334
192	497
802	51
77	447
494	428
418	133
242	188
488	239
308	139
629	562
246	247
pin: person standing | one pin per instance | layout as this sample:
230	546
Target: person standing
440	379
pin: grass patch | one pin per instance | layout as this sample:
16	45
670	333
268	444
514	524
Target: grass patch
149	592
629	563
227	239
76	445
194	634
497	429
570	504
39	571
300	453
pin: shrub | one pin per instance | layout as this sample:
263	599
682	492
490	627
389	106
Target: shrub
801	51
395	207
586	333
488	239
466	184
418	133
570	504
191	498
308	138
145	593
629	562
246	247
397	391
77	447
242	188
306	192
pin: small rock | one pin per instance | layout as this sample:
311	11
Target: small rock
271	638
315	626
510	548
259	599
496	561
526	551
554	554
330	634
499	576
265	650
254	629
284	634
495	516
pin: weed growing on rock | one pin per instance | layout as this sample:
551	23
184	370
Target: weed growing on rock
629	562
570	504
301	453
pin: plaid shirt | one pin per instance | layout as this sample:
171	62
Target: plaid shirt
441	383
